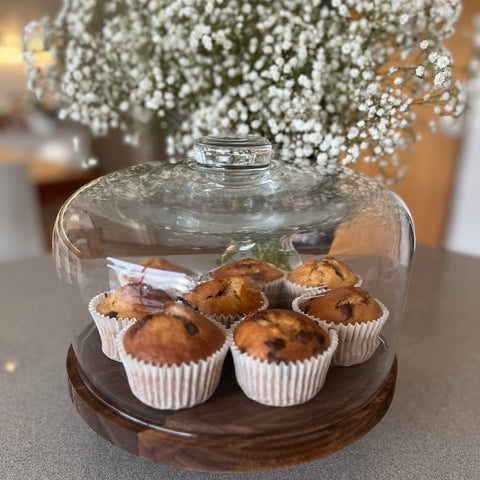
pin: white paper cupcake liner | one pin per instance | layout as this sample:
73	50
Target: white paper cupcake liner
294	290
228	321
107	327
357	342
274	291
282	384
177	386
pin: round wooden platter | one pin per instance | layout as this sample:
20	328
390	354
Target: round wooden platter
229	432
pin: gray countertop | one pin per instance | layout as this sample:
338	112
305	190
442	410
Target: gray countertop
431	431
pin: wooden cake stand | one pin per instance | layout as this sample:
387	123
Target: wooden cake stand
229	432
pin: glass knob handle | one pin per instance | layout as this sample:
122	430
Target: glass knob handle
225	152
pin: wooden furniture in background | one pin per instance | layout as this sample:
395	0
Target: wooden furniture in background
55	182
429	182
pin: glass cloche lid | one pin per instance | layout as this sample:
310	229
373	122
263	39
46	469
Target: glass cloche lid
232	201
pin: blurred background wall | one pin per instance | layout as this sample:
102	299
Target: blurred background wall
42	161
440	187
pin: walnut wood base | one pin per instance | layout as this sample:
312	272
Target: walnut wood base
217	453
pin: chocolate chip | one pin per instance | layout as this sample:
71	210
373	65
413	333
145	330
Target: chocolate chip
191	328
276	344
347	310
338	273
188	304
112	314
138	325
256	276
320	337
335	269
303	337
271	358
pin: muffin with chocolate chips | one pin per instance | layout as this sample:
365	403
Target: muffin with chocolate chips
226	300
133	300
173	358
342	305
177	334
355	315
257	270
281	357
113	310
326	273
266	275
280	336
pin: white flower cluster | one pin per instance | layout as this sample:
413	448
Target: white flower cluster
324	80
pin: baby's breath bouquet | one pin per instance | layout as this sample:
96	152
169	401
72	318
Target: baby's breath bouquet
325	80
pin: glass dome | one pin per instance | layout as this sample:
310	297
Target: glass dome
230	202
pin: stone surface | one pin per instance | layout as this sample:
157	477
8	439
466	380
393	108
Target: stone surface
431	430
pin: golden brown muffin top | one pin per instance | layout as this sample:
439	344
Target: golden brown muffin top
280	335
158	264
343	305
133	300
327	271
175	335
257	270
226	296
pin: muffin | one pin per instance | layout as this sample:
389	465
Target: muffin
328	272
111	311
354	314
226	299
173	358
177	334
157	264
343	305
266	275
281	357
133	300
325	273
280	336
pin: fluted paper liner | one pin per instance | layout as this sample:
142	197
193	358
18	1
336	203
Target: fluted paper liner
274	291
286	383
357	342
107	327
177	386
294	290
